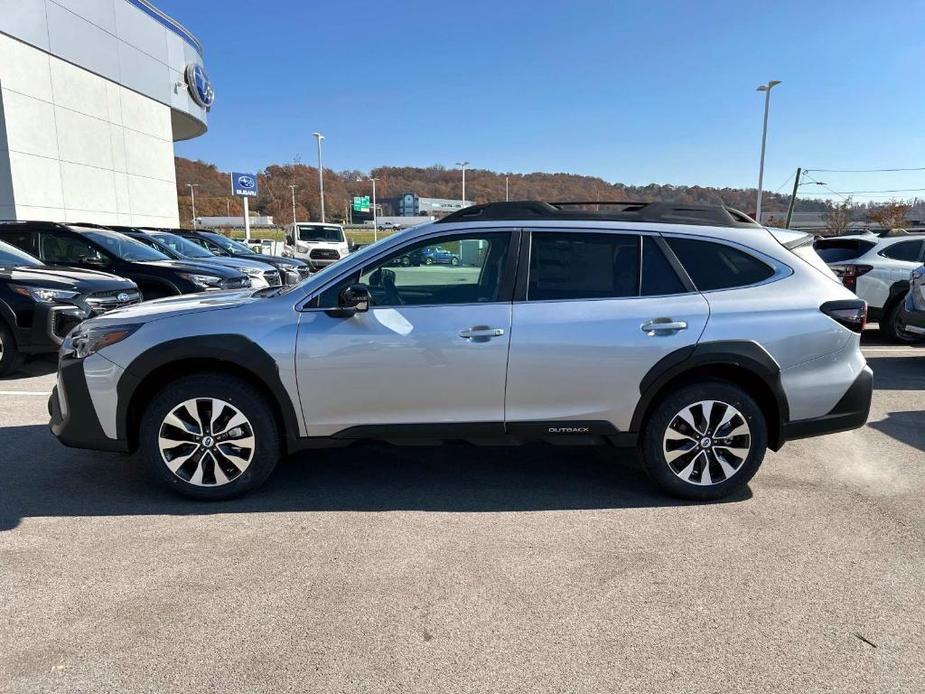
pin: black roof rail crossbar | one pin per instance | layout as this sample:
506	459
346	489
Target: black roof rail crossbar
665	212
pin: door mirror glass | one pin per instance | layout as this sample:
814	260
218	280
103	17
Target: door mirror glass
354	298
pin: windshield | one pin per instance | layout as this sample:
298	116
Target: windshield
124	247
12	257
313	232
233	247
182	246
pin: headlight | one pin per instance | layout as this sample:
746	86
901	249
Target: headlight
43	294
252	271
202	281
85	339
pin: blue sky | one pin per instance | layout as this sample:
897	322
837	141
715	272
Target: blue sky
635	92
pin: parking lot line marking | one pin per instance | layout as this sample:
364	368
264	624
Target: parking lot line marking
24	392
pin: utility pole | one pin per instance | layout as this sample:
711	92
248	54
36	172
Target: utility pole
463	165
793	197
766	88
507	190
319	137
192	194
292	188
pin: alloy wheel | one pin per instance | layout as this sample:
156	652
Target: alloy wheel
206	442
707	442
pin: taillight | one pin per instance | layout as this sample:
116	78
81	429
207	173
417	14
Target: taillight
851	313
848	274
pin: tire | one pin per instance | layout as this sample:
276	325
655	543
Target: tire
200	473
428	261
454	261
675	461
891	329
10	356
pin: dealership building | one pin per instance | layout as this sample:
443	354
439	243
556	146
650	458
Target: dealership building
93	94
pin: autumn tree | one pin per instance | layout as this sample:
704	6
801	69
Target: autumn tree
892	215
837	218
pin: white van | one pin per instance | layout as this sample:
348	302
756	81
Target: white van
317	244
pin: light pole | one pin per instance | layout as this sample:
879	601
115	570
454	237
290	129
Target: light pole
463	165
319	137
292	188
192	194
375	211
507	190
766	88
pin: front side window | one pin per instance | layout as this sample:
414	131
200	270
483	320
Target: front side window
70	248
714	266
469	269
182	246
569	265
909	251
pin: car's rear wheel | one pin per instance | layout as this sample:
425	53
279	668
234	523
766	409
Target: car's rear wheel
428	261
891	326
10	356
704	441
210	436
454	261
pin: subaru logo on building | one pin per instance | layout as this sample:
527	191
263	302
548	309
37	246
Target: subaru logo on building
200	87
246	182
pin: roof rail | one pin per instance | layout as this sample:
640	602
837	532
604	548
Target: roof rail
35	224
620	211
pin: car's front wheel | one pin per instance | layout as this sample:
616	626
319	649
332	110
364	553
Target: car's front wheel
891	326
210	436
704	441
10	356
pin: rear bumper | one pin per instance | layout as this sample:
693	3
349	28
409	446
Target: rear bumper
74	420
849	413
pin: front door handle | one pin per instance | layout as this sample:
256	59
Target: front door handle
662	326
480	333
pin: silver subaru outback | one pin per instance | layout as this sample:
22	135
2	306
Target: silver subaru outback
690	332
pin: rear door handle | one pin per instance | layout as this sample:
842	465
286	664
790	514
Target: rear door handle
658	326
480	333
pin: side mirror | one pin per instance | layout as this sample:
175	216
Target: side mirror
289	240
354	299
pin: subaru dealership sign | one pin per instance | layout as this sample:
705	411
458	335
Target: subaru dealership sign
244	184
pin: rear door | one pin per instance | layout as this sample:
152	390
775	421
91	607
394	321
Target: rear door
596	311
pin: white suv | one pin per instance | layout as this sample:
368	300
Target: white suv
877	269
319	245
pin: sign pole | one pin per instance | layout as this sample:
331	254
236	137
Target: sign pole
247	220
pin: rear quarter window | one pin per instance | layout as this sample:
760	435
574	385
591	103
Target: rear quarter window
714	266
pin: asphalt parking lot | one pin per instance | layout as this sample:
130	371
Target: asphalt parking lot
458	568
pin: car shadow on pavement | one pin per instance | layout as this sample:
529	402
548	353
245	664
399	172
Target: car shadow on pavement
906	427
40	477
34	366
898	373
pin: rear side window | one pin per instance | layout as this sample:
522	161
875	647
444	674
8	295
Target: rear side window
717	266
583	266
841	250
910	251
658	276
24	240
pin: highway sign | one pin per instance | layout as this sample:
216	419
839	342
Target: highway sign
361	203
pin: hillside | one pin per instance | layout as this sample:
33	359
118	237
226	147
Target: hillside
213	197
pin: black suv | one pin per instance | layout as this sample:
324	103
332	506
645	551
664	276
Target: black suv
39	305
97	248
293	271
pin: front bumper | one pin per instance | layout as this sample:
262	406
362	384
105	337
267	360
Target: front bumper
912	318
849	413
74	419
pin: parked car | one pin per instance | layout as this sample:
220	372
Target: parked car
692	333
40	304
912	319
96	248
174	246
433	255
877	268
292	270
317	244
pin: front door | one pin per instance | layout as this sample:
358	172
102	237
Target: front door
429	355
600	310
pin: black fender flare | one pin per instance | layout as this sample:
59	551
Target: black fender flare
743	354
8	315
206	351
898	291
